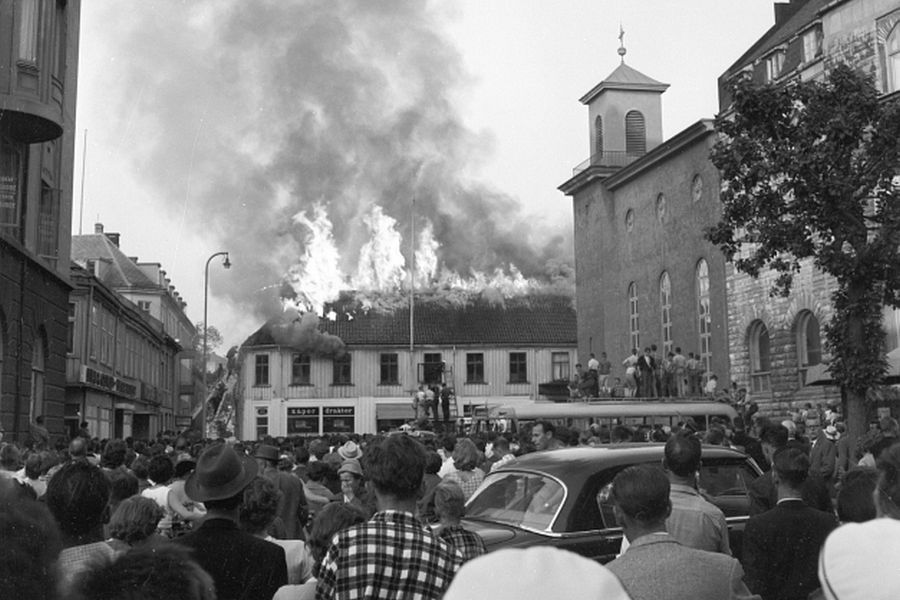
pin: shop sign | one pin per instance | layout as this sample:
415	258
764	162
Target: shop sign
303	420
108	382
338	419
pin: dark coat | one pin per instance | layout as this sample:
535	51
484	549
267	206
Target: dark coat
292	507
781	550
243	566
764	495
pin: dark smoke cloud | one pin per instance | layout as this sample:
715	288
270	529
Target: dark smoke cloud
254	111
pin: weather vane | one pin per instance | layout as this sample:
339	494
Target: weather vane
622	50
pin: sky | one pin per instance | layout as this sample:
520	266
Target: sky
212	123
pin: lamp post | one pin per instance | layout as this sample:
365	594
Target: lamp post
227	264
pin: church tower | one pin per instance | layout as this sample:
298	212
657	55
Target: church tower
625	115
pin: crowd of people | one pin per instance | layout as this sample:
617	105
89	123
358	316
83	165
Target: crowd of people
379	516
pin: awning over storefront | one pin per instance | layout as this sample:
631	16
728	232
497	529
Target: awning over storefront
393	411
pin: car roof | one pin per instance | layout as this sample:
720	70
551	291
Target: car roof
582	460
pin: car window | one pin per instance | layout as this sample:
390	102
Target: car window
521	499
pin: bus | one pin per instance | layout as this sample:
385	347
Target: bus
581	415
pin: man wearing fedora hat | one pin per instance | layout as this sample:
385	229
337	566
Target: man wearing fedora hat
242	565
293	510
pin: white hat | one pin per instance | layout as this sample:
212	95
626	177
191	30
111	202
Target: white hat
859	561
350	451
831	432
538	572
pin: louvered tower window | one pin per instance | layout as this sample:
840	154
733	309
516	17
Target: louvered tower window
598	135
635	133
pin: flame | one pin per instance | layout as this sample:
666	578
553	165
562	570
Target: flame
382	274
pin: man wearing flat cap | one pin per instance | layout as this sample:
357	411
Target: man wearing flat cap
293	510
243	566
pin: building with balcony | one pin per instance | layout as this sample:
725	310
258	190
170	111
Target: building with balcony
644	274
38	75
121	374
144	285
488	354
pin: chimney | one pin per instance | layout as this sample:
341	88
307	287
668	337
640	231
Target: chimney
114	238
98	227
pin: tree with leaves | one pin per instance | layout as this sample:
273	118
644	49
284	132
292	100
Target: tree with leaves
809	174
213	338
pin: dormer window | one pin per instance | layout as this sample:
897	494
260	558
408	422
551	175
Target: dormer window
774	63
812	44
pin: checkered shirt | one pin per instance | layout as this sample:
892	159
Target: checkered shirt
468	543
392	556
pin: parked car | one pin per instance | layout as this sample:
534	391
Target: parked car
561	497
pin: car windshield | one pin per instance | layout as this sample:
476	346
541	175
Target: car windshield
525	500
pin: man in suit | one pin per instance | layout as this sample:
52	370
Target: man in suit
656	565
763	493
242	565
293	510
781	546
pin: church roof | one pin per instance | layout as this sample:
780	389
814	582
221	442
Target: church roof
625	78
122	272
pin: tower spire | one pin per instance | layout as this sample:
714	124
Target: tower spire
622	49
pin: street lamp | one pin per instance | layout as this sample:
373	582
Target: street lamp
227	264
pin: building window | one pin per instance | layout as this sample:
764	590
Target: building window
300	369
341	370
144	305
60	40
559	366
598	136
704	321
759	357
12	164
475	367
390	369
812	44
809	343
48	218
518	368
665	303
661	208
774	62
70	334
634	323
892	58
261	370
629	220
635	133
262	423
29	23
697	188
37	378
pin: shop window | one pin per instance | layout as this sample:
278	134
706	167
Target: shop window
518	367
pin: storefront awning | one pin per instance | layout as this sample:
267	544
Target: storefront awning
394	411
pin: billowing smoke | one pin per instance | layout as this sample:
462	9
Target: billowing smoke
263	113
301	332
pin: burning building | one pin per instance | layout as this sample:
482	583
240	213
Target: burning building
356	369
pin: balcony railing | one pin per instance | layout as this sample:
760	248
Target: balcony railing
612	158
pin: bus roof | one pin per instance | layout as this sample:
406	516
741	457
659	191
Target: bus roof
611	409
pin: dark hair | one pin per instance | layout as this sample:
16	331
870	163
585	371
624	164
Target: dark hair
774	434
501	443
334	517
546	426
226	504
77	495
114	454
260	505
122	485
160	572
855	503
621	433
139	466
682	455
396	466
33	464
184	467
317	471
135	519
889	478
301	455
10	457
433	463
791	465
160	469
449	500
31	545
465	455
642	493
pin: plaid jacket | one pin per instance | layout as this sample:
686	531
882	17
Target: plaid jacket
392	556
468	543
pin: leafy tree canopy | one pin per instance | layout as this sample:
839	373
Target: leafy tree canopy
809	172
213	338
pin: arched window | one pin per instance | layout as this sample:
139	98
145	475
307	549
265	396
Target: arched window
760	365
892	47
37	377
635	133
634	326
598	135
809	344
665	304
704	326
